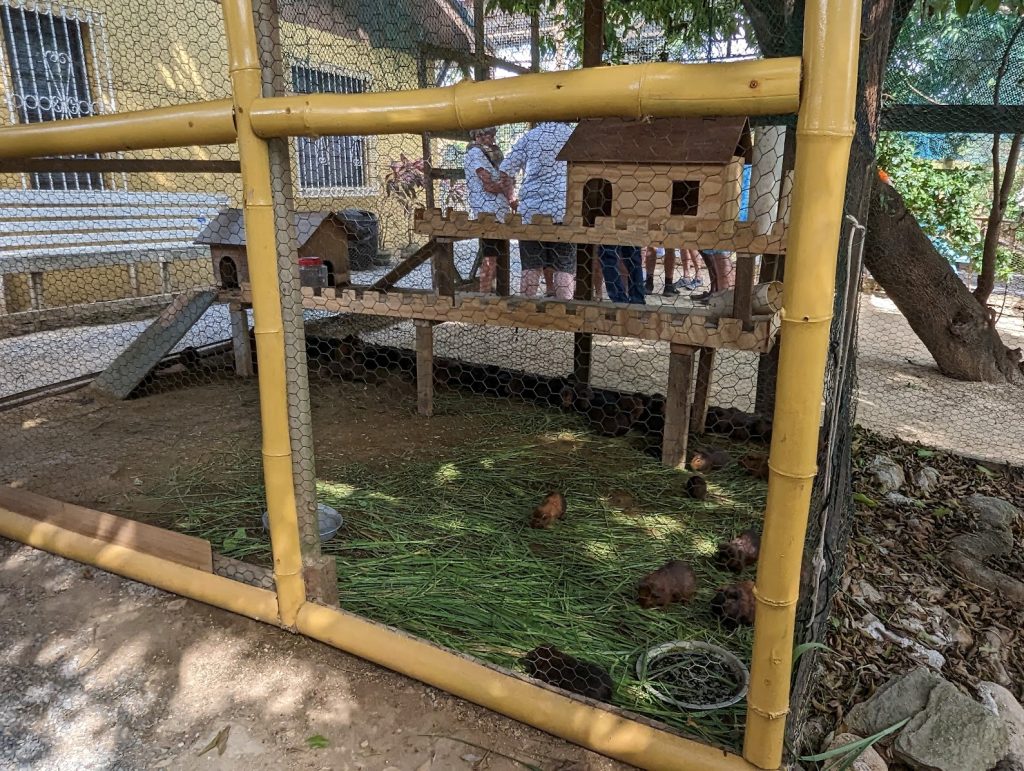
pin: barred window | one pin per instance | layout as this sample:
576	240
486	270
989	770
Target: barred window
331	164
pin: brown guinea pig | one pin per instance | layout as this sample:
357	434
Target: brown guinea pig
709	460
756	465
551	666
696	487
734	604
552	508
741	552
675	581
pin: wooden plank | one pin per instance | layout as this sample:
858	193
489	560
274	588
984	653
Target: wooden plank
108	197
136	211
156	341
742	296
425	368
117	239
702	390
443	273
118	166
35	291
405	267
504	269
133	279
71	223
147	539
240	340
72	257
677	406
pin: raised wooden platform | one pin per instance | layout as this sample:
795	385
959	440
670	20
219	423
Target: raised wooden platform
692	234
685	325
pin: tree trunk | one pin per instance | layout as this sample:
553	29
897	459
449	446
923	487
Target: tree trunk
943	313
1002	185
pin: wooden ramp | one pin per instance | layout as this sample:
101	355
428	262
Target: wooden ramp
155	541
138	360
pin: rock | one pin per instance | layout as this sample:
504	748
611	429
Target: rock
1001	703
991	650
868	760
925	480
992	513
899	499
885	474
897	700
870	626
952	733
984	544
868	592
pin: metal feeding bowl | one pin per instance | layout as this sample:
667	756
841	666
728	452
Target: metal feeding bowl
329	518
693	675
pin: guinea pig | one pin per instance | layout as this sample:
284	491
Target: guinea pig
734	604
675	581
551	509
741	552
709	460
696	487
756	465
551	666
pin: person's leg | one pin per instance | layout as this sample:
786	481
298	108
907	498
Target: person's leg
560	261
488	265
549	282
694	258
724	271
670	272
530	262
635	270
709	263
610	270
650	263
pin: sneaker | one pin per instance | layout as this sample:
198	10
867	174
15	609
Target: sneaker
649	287
696	281
670	290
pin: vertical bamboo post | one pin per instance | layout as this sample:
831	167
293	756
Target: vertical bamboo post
246	86
824	131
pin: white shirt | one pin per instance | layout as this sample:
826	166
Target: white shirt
544	178
480	201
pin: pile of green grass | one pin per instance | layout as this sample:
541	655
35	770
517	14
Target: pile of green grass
438	545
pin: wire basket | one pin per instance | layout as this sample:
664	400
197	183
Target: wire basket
693	675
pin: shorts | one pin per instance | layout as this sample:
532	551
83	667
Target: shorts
534	255
490	247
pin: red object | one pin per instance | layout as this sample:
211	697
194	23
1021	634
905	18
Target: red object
310	262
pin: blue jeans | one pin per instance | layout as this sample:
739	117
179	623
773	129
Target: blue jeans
630	255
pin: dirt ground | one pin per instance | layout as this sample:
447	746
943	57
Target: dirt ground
98	672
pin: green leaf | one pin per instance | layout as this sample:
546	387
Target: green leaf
963	7
317	742
923	453
864	500
801	649
235	539
848	753
986	471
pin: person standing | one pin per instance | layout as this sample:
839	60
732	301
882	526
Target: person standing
488	194
633	289
542	192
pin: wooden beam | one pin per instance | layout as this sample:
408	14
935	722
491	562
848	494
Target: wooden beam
469	59
504	269
481	68
443	273
535	41
425	368
155	541
744	289
118	165
455	175
702	390
405	267
240	344
677	406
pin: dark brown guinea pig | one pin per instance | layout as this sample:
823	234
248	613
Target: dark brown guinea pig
696	487
756	465
551	509
741	552
675	581
734	604
551	666
709	460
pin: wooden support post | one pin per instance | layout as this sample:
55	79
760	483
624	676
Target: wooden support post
481	71
504	269
442	265
428	188
744	289
772	269
165	277
240	343
3	295
35	291
425	368
535	41
405	267
133	279
702	390
677	406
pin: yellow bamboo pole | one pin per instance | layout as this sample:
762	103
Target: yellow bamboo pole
760	87
202	123
221	592
824	132
261	249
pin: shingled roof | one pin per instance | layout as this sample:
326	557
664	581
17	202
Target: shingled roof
228	228
711	141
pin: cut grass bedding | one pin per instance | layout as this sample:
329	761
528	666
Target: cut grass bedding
438	545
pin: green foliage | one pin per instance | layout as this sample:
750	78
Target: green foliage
317	742
944	200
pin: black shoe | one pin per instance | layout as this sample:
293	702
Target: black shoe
648	287
670	290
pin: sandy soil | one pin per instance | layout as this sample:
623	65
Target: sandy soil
105	673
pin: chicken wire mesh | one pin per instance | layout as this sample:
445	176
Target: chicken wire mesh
569	302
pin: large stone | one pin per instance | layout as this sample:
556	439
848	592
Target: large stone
992	513
868	760
926	479
886	475
1001	702
952	733
995	542
897	700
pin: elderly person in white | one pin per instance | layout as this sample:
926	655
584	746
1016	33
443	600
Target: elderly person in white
542	192
488	194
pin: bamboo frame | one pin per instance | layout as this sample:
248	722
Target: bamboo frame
749	88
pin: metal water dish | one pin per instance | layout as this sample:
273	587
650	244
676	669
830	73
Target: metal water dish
693	675
329	518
